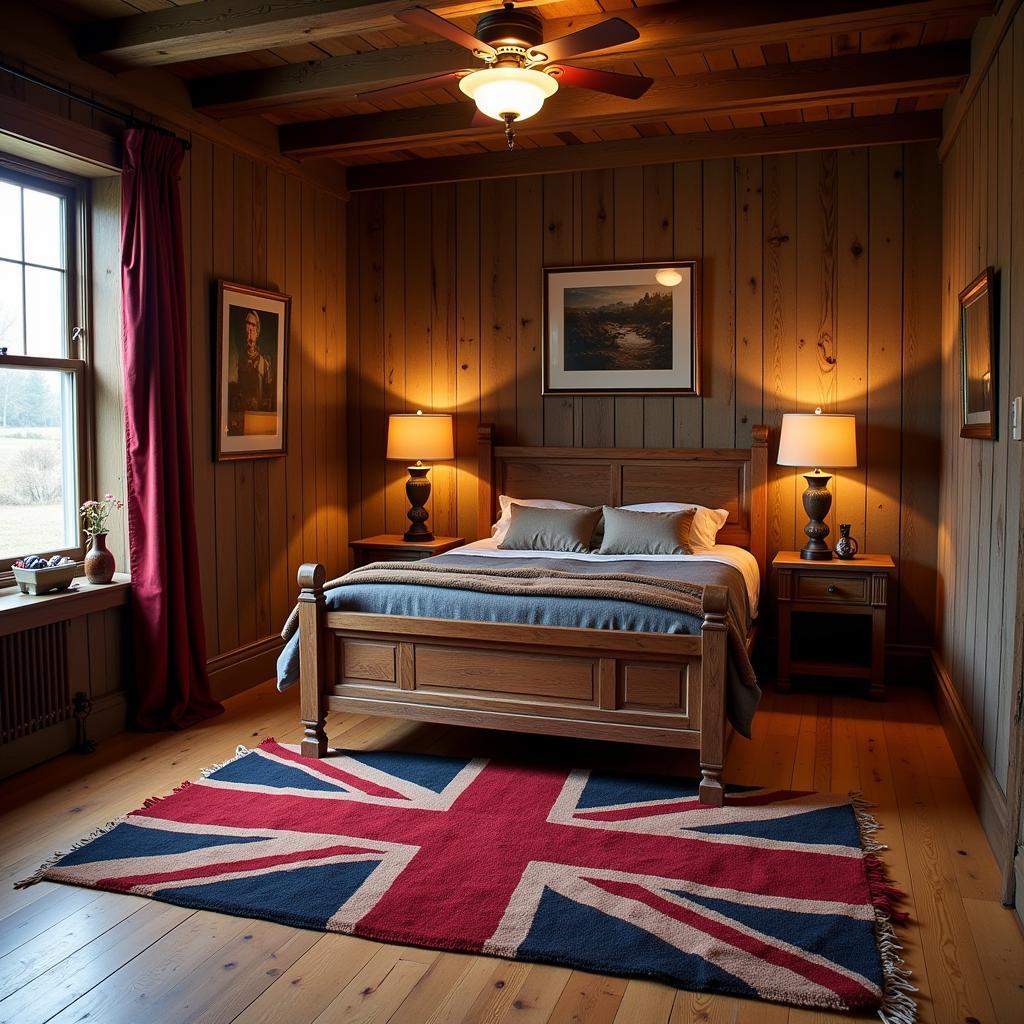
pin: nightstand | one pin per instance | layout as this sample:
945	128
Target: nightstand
392	547
831	618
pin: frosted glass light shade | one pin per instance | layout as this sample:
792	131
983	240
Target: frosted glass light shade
417	436
818	439
517	91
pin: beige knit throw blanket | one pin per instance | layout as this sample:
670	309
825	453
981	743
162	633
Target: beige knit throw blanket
672	595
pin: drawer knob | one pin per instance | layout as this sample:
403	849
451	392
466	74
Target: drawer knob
830	589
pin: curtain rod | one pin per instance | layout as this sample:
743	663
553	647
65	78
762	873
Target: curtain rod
129	119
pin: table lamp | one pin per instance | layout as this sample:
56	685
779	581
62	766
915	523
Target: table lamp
418	436
816	439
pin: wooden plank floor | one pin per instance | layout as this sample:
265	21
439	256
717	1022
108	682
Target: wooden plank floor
73	955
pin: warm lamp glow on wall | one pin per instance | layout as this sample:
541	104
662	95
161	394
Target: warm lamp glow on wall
815	439
413	437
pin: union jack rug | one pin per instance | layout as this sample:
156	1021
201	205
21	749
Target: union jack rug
779	895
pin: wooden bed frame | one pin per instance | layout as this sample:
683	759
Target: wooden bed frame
665	690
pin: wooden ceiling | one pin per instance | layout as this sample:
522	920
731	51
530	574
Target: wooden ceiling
735	67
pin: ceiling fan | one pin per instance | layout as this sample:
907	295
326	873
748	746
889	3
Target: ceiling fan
522	69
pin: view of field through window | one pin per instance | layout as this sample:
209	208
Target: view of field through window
38	496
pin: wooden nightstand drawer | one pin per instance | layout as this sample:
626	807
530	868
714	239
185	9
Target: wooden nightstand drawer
391	555
847	589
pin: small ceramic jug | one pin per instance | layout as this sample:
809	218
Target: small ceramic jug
846	546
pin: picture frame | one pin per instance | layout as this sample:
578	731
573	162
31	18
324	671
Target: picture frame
979	386
250	415
612	329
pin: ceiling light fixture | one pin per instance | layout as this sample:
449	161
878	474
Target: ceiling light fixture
668	277
521	65
508	94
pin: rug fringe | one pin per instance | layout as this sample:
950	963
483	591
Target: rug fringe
240	751
898	1005
37	876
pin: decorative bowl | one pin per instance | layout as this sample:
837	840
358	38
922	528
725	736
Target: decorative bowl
43	581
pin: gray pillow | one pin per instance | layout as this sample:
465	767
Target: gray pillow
550	529
647	533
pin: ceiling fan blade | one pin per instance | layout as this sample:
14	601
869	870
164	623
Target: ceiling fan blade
630	86
613	32
417	85
420	17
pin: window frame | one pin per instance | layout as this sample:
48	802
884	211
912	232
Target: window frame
75	192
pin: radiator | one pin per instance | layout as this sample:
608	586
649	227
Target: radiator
33	680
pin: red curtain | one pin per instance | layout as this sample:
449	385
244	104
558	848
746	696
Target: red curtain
172	687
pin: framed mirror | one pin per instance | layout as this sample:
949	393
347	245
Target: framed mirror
978	387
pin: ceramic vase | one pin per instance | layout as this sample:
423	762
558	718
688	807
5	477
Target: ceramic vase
846	546
99	562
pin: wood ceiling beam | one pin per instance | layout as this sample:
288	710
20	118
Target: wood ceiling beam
666	31
923	126
217	27
894	73
336	78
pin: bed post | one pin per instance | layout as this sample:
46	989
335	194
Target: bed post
713	667
313	659
485	476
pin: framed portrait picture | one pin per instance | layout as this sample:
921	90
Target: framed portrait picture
978	357
627	328
252	363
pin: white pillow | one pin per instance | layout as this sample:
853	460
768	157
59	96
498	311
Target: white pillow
706	522
505	503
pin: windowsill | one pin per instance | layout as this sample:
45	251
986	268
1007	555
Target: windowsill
20	611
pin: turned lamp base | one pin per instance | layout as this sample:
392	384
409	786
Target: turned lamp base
817	502
417	488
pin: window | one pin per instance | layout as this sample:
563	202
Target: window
42	366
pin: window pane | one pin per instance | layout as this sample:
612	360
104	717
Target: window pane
44	228
12	327
45	323
10	220
38	489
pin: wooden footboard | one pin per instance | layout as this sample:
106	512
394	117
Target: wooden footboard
665	690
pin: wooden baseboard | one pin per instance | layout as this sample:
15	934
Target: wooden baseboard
244	667
981	782
908	663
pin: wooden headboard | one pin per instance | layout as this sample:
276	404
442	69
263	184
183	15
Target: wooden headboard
731	478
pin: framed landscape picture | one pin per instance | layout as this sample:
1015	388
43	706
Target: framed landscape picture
252	361
978	357
622	329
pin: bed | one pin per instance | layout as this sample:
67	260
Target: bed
634	681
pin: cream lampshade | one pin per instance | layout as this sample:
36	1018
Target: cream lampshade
413	437
817	439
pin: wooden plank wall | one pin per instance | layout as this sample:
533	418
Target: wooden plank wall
820	286
980	496
258	520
